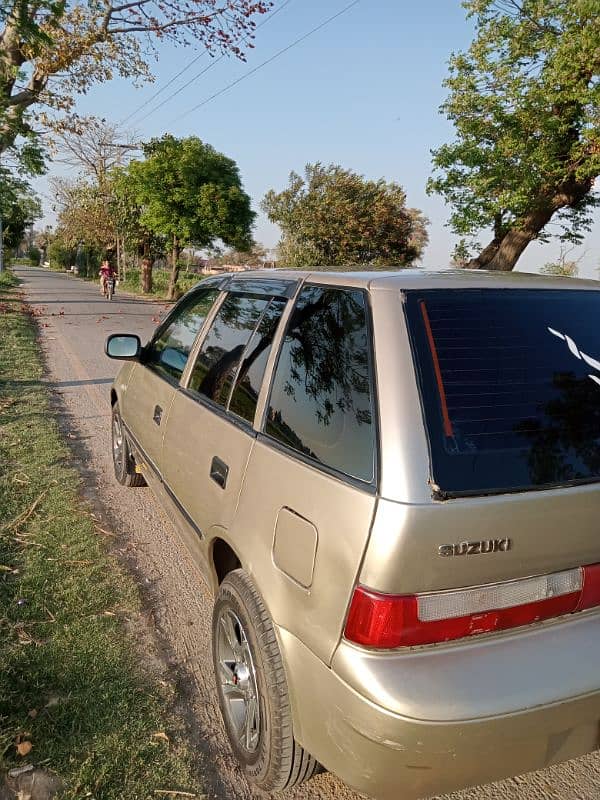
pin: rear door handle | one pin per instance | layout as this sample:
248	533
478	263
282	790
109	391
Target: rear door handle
219	471
157	416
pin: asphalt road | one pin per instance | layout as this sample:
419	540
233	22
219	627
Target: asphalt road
74	321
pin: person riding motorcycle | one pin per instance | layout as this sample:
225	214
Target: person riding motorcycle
106	272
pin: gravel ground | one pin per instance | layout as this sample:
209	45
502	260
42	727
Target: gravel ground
74	322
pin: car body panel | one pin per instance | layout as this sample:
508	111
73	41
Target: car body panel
195	436
341	515
547	531
486	676
387	755
145	392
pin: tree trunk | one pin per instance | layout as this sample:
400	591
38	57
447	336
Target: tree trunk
119	274
175	253
146	275
505	249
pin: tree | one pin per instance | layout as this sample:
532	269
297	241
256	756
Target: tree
96	149
19	208
98	209
525	103
51	50
335	217
84	214
254	257
190	194
563	266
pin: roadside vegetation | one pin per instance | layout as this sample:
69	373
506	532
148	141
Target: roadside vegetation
132	282
75	697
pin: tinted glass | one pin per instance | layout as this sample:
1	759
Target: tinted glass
168	353
514	400
217	363
251	373
321	400
269	287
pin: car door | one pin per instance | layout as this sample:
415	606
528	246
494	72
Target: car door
309	491
209	434
147	399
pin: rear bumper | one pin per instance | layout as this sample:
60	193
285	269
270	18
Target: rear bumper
387	754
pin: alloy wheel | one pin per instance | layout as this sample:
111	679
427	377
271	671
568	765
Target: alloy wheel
237	676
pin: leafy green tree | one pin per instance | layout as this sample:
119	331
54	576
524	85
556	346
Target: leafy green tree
335	217
126	213
84	214
190	193
52	50
19	208
525	103
59	253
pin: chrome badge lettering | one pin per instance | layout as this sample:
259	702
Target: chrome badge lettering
475	548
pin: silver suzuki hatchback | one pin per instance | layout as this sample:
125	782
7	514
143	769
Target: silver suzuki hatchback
391	484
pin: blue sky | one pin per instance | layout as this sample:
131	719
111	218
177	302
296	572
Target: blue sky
362	92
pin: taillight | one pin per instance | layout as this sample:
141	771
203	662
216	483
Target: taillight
388	621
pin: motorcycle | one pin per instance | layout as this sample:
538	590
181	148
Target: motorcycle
109	287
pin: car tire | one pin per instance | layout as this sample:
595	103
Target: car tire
252	689
123	460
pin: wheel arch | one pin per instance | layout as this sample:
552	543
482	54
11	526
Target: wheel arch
223	560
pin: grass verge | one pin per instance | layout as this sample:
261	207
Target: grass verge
160	282
73	691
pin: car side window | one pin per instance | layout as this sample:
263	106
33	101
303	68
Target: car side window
321	402
168	352
217	363
252	370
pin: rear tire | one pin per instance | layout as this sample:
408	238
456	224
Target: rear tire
123	460
252	689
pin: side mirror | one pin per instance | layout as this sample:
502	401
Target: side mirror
124	346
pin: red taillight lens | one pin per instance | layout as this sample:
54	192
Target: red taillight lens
590	594
387	621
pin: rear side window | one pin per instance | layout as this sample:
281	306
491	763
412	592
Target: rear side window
221	353
321	402
168	352
510	381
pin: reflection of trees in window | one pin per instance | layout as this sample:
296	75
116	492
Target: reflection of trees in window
217	362
328	353
282	431
322	382
565	441
250	376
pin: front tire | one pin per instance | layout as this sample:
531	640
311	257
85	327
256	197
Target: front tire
123	460
252	689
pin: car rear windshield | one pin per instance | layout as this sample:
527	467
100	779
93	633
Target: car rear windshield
510	385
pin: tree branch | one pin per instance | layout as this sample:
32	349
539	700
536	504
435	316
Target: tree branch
175	23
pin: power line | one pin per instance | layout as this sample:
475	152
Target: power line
160	91
181	88
268	61
194	78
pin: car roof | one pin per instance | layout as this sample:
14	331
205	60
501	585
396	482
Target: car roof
400	279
